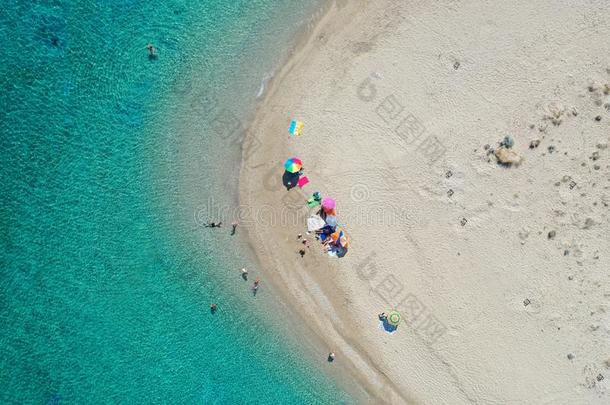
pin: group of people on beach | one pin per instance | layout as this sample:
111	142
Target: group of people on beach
304	242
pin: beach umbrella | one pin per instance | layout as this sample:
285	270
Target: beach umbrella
394	318
314	223
331	220
328	203
293	165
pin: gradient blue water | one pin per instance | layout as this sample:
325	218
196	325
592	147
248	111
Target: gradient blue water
105	285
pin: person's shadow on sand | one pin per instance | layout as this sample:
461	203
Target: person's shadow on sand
290	180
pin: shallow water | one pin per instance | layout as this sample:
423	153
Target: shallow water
106	275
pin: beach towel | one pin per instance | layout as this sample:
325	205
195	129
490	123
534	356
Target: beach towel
386	327
314	223
314	200
302	181
295	128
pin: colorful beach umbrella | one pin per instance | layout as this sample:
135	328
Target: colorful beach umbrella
295	127
293	165
394	318
328	203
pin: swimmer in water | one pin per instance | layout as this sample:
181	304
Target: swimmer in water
213	308
244	273
152	51
255	286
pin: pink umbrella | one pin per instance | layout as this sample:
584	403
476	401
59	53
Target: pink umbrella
328	203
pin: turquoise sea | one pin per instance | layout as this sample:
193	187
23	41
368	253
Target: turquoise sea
106	157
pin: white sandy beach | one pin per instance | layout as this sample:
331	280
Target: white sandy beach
502	274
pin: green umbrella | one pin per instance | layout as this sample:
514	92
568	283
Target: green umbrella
394	318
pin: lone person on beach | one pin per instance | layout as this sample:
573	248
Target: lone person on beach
331	357
234	225
255	286
302	252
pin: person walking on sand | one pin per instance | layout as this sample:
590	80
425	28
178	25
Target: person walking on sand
234	225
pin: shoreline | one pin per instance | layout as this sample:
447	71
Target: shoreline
368	379
458	235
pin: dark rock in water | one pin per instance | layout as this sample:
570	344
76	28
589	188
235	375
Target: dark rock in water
552	234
